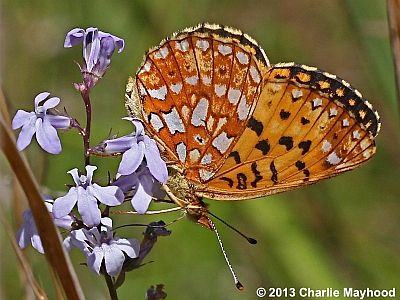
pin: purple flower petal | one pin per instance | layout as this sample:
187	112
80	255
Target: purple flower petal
28	233
87	207
131	247
108	195
27	229
63	205
59	122
64	222
147	181
116	40
95	259
107	223
89	173
91	48
21	118
25	136
51	103
120	43
114	258
156	165
120	144
37	243
107	47
131	159
139	129
75	175
78	240
67	243
47	136
126	183
141	200
23	239
74	37
40	97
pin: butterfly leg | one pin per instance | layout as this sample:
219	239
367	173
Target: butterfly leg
180	202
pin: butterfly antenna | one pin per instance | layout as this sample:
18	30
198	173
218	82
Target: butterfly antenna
237	282
249	239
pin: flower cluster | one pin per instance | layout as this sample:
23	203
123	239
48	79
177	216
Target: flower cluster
98	47
102	244
84	211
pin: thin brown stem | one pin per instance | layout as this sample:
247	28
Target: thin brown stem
111	287
86	136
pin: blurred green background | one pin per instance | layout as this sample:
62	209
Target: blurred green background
343	232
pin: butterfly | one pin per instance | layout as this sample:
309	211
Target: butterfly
231	126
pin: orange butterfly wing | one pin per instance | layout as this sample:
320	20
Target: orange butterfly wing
240	128
310	126
196	92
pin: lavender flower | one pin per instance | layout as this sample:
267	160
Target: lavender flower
144	186
98	48
137	146
103	247
28	232
41	123
86	194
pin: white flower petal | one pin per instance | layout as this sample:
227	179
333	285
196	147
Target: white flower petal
75	175
21	118
131	159
51	103
89	173
74	37
95	259
87	207
108	195
25	136
156	165
47	136
63	205
40	97
141	200
37	243
114	258
58	122
131	247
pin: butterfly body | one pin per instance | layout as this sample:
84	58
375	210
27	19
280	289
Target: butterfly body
233	127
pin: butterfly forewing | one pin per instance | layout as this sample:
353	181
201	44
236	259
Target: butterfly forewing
242	129
197	92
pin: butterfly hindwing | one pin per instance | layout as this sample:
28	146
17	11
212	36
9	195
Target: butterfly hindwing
312	126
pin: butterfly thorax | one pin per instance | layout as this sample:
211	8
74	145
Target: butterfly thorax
185	194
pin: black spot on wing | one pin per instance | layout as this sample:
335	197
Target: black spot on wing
256	173
305	146
300	165
235	156
286	141
304	121
306	173
242	181
284	114
228	180
255	125
274	176
263	146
